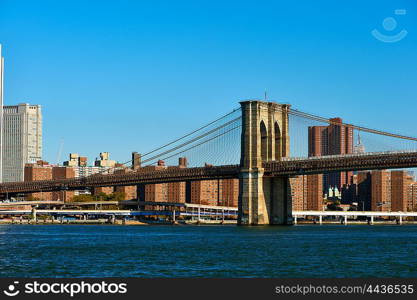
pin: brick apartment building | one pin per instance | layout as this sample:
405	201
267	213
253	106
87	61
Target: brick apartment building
383	190
326	140
42	170
401	182
223	192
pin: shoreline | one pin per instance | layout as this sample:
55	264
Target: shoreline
106	222
195	223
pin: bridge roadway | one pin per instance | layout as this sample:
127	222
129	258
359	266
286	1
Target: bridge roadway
284	167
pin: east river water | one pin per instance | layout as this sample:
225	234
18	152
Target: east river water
208	251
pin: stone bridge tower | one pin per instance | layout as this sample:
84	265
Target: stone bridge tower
265	137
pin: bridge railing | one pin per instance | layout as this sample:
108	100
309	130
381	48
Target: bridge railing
325	164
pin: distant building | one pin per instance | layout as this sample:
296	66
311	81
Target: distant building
334	139
299	192
400	188
76	161
105	161
130	192
62	173
333	194
42	170
22	139
81	169
364	189
224	192
315	192
412	199
381	190
359	148
307	192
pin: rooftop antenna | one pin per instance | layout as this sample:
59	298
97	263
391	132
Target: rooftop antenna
265	96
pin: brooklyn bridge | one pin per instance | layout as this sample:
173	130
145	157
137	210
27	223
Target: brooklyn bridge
258	143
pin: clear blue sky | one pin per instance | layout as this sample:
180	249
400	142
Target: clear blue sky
120	76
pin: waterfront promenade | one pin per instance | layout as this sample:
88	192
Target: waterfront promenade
194	214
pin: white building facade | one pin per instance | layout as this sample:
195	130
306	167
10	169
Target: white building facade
22	139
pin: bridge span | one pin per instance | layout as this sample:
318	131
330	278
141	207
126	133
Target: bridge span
284	167
264	169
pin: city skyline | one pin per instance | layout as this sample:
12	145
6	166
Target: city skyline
132	58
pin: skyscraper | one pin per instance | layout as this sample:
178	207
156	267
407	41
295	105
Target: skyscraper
333	139
1	114
22	139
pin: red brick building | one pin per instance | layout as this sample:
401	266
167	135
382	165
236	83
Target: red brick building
63	173
401	199
44	171
381	191
333	139
299	192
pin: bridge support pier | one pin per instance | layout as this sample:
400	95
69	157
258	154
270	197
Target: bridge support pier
321	220
264	201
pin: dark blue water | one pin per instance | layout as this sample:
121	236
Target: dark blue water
207	251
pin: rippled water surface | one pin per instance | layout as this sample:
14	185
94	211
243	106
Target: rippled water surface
207	251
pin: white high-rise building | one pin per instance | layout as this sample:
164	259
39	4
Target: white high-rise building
22	139
1	114
359	148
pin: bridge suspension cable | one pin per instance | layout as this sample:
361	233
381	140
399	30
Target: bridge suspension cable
191	133
196	145
360	128
194	140
206	133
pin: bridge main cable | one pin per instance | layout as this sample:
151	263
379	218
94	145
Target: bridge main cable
183	137
361	128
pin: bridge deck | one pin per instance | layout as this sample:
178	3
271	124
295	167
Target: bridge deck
285	167
133	178
337	163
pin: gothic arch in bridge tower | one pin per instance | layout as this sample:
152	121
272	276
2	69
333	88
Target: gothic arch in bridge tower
277	141
264	141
